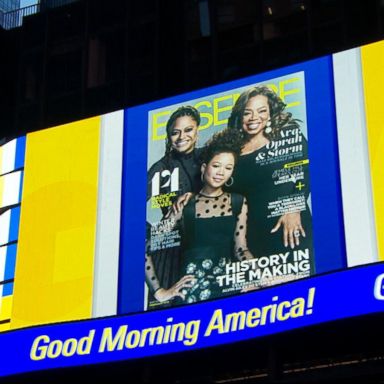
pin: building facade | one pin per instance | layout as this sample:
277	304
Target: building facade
77	59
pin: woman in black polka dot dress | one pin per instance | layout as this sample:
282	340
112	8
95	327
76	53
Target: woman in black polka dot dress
213	226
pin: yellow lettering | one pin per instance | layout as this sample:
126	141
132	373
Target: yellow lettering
273	87
216	323
217	110
280	308
108	342
253	317
69	347
204	115
264	314
133	339
286	92
298	307
192	332
39	352
85	343
158	123
54	349
235	321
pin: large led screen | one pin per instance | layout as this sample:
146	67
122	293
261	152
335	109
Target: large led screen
245	163
232	212
236	198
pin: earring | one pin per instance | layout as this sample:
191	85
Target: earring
268	128
202	177
231	182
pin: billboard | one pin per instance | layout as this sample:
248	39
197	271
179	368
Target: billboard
215	216
230	236
265	221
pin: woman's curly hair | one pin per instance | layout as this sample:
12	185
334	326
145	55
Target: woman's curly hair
186	110
227	141
278	117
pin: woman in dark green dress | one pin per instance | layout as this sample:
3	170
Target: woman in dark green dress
213	226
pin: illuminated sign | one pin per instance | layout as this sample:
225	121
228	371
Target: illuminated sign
211	217
261	313
212	248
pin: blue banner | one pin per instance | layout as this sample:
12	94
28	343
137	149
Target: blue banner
344	294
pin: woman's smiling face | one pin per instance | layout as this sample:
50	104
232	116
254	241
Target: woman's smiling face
219	169
184	134
256	115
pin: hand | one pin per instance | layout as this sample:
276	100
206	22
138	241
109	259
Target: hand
179	204
292	228
163	294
